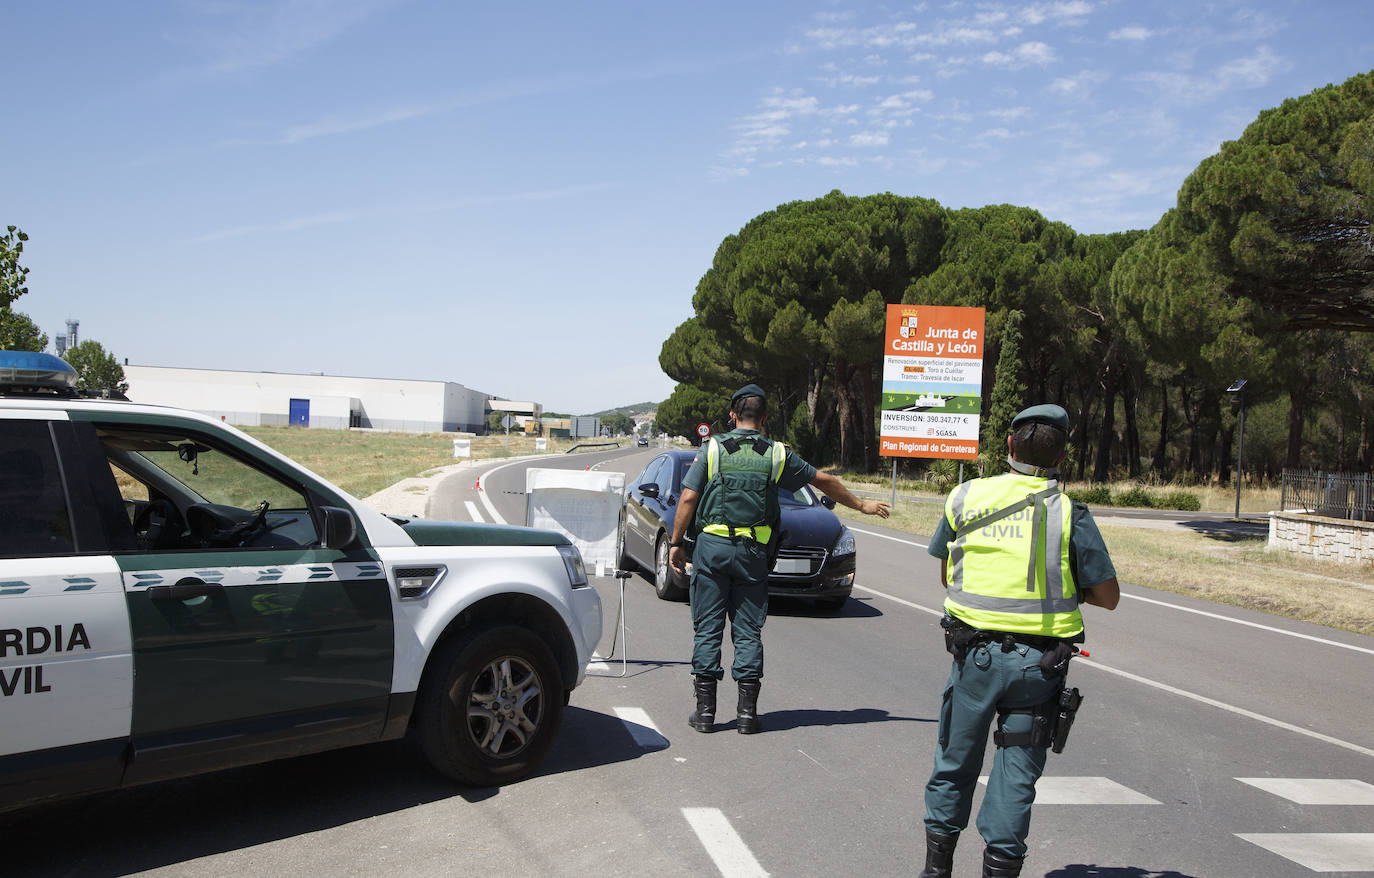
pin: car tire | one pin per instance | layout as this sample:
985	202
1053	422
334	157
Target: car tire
490	705
667	589
623	561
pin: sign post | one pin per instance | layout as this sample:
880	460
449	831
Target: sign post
932	383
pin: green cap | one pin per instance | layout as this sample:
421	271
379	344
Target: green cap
748	390
1050	414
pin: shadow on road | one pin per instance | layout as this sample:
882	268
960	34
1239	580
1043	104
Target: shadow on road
163	824
1080	870
1229	531
781	720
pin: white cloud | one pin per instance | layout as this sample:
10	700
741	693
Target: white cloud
995	134
290	225
1240	73
1010	114
870	138
1134	32
1033	52
244	36
1079	84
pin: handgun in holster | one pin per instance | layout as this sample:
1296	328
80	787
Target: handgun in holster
1066	708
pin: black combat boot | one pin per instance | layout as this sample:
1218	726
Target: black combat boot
939	855
703	719
997	865
748	708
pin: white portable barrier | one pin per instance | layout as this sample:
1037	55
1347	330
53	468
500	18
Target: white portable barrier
584	506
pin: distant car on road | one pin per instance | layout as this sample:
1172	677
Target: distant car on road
815	561
642	441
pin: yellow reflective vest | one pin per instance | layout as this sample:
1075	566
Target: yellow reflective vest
1008	566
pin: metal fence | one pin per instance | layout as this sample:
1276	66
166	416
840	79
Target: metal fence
1334	495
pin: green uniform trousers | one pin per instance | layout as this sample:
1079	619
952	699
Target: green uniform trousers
729	579
988	678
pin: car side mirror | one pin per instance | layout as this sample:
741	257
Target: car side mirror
649	490
340	528
827	502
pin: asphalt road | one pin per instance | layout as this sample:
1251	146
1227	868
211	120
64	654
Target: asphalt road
1213	742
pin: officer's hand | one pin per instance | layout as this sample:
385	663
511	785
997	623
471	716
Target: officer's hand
875	507
677	559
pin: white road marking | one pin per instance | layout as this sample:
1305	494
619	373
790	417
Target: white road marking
1315	790
726	848
1239	711
1319	851
873	533
1320	640
1092	663
641	728
472	510
1084	791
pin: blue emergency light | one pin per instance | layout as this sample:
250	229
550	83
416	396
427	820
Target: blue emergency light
26	370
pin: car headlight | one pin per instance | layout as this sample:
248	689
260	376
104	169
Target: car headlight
845	544
577	573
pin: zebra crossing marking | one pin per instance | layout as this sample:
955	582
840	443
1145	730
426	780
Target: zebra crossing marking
1084	791
1319	851
1315	790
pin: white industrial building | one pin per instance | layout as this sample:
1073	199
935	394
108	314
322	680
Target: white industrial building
322	401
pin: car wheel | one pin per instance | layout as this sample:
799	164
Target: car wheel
490	706
623	560
667	589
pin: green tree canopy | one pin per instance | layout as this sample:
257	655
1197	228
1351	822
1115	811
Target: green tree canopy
96	370
19	333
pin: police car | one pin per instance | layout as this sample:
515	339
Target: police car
176	597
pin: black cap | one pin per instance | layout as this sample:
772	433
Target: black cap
748	390
1049	413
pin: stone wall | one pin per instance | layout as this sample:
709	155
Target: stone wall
1326	539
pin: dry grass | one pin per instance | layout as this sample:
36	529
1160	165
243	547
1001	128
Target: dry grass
364	462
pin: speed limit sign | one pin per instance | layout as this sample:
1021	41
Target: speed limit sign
703	430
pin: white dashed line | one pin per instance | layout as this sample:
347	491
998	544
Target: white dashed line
472	510
1315	790
726	848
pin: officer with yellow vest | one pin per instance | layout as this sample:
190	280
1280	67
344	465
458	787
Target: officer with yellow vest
1017	559
730	493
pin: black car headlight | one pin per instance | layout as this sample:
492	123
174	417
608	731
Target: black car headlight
845	544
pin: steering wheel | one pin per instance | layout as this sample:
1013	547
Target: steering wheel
249	527
157	524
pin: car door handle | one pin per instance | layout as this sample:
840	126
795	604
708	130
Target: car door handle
190	587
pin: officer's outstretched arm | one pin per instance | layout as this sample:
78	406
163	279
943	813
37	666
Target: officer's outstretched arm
833	488
1105	594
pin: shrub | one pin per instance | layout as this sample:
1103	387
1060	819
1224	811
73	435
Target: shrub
1137	496
1181	500
1093	495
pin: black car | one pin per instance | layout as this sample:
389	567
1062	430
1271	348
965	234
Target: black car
642	441
815	560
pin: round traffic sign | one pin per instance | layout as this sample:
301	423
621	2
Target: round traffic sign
703	430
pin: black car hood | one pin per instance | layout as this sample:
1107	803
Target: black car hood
810	526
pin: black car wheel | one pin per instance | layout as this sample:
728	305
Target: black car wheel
667	589
490	706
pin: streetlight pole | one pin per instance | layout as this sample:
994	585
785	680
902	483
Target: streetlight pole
1238	388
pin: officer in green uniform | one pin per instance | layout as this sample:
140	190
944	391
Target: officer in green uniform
731	491
1017	559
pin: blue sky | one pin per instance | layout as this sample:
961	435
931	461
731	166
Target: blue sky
522	197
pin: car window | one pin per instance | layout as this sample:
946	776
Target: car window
185	491
799	497
656	472
33	507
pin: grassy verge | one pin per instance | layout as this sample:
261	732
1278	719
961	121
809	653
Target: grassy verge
363	462
1228	570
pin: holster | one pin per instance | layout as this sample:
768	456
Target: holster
1066	708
